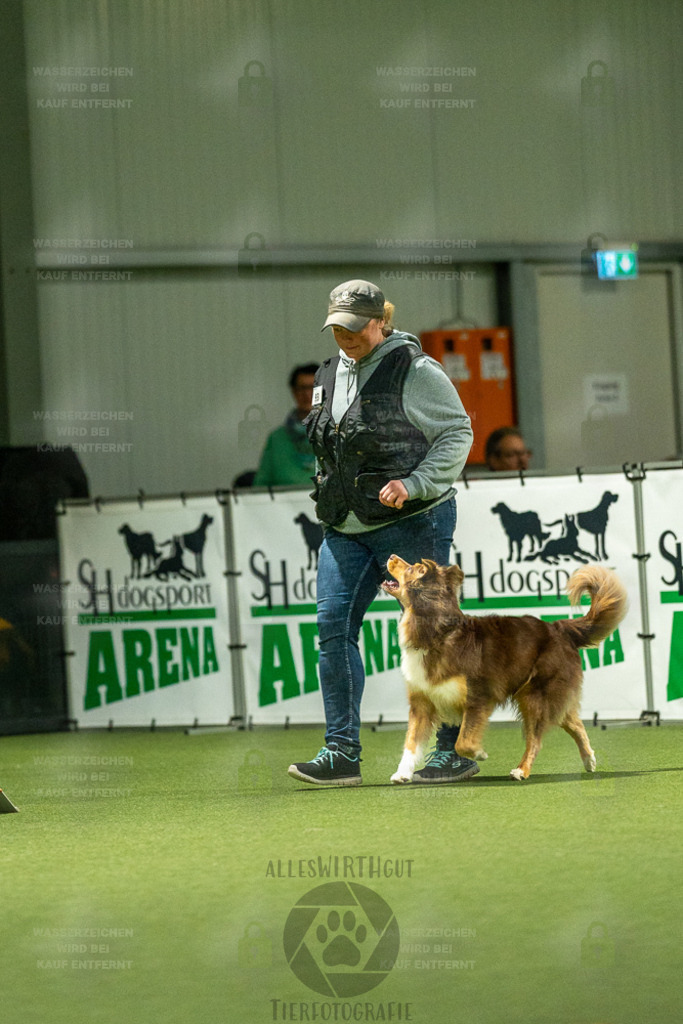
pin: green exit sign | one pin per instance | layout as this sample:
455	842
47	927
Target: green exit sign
615	264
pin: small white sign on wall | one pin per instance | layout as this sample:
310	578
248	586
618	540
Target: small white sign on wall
455	365
492	366
605	394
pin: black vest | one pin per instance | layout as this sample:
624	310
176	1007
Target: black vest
374	443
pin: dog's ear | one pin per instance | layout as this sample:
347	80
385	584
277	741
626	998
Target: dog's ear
423	567
456	574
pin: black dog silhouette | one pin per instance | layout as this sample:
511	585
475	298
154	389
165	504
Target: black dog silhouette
595	522
195	542
139	545
565	546
517	526
313	537
172	566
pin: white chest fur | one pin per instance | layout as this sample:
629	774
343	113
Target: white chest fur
413	668
448	696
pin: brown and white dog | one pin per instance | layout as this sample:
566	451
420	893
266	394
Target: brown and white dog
458	668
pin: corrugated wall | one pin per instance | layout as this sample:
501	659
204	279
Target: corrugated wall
334	152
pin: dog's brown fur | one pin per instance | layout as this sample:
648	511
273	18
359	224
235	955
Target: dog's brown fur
461	667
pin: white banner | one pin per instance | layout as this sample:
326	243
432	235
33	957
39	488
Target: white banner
662	504
145	612
518	543
277	541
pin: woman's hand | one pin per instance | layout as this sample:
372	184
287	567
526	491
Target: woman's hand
393	494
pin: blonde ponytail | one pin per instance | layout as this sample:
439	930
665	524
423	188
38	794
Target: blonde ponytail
389	310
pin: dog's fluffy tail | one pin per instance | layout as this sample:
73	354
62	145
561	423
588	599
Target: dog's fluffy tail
608	604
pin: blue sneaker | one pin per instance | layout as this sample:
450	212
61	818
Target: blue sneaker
330	767
446	766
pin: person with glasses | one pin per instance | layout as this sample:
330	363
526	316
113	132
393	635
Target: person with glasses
506	450
287	458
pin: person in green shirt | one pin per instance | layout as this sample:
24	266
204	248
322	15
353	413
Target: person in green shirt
287	458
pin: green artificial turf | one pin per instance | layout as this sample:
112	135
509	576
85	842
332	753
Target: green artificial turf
177	861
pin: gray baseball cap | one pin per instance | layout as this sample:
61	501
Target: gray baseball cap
353	304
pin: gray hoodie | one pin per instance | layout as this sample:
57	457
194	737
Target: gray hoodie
430	403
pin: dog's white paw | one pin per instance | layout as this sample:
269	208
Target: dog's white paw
517	773
590	764
406	768
481	755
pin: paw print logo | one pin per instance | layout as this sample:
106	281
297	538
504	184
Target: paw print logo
341	939
343	948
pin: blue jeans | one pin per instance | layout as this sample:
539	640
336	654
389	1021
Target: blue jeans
350	570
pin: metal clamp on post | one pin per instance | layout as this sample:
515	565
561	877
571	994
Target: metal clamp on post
634	471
